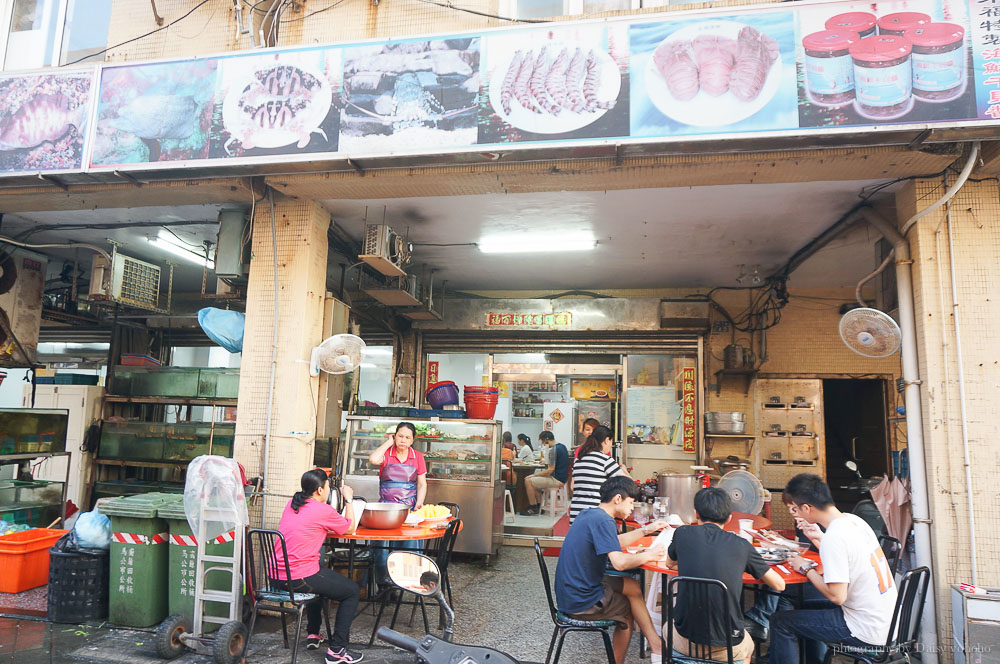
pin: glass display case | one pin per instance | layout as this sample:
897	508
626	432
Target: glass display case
36	503
32	430
463	466
154	442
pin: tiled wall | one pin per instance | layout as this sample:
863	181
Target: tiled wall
975	227
212	28
301	228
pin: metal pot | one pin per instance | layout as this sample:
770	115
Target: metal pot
680	489
726	422
384	516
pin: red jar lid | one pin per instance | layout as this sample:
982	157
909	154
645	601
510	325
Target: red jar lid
829	40
883	48
935	34
855	21
902	21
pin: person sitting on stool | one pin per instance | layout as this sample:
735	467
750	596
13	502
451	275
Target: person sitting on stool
552	477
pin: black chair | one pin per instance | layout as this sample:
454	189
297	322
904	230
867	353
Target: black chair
904	628
564	624
697	597
892	549
268	581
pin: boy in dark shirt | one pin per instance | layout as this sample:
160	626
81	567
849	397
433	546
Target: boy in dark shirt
583	591
707	551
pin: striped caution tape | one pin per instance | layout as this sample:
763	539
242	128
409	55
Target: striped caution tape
191	540
133	538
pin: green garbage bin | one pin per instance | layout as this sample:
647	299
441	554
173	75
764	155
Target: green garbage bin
137	594
183	566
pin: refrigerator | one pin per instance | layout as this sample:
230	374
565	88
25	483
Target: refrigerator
560	418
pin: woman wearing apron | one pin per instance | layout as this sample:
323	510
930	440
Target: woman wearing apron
402	479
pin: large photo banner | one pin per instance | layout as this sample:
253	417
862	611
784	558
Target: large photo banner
777	70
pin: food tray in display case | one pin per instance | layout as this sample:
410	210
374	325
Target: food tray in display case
457	450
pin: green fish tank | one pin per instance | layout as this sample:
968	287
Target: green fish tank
176	382
35	503
32	430
158	442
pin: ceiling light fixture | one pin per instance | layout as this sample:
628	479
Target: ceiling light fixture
755	275
537	243
172	245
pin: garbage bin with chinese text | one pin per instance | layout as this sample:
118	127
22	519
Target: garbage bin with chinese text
137	593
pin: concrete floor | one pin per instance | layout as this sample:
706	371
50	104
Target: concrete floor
501	606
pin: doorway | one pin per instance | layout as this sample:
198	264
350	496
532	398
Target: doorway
856	429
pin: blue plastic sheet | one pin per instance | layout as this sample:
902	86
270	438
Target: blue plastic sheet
224	327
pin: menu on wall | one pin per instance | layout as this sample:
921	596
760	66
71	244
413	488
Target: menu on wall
814	67
654	415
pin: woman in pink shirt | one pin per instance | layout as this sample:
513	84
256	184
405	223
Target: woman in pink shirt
305	523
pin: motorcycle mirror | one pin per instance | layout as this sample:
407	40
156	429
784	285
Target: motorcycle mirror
414	572
852	466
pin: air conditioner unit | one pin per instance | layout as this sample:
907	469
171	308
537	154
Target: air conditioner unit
22	283
132	282
429	309
385	250
393	291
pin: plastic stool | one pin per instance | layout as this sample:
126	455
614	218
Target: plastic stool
555	501
508	507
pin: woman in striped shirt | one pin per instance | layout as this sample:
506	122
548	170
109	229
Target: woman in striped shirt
592	467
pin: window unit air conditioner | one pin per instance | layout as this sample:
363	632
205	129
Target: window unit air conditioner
130	282
22	282
385	250
395	291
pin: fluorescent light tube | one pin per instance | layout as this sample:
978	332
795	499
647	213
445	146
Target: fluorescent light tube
173	246
537	243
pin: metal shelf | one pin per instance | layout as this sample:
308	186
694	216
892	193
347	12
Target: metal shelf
729	435
122	463
28	456
170	401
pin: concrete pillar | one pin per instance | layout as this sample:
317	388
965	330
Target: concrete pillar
300	228
975	230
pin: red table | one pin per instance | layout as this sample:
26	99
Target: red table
759	522
791	578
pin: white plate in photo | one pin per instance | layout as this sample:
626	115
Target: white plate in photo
545	123
704	110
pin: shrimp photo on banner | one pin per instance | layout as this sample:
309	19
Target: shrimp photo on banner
555	84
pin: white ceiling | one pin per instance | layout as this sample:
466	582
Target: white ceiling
647	238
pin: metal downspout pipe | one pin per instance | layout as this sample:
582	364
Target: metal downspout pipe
914	422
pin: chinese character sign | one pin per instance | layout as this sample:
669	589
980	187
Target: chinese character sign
985	23
562	319
432	372
689	409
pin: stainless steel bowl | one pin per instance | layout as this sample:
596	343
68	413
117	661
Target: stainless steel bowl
384	516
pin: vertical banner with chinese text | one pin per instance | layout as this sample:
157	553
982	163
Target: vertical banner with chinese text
689	401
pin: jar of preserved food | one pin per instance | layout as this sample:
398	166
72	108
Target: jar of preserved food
939	61
862	23
900	22
829	68
883	76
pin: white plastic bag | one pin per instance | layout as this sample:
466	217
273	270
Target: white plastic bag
93	531
214	483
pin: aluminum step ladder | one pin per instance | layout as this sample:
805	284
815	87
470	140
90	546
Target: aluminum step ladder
231	565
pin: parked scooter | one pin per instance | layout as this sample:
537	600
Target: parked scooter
865	507
419	574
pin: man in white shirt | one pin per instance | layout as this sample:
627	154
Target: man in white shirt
856	578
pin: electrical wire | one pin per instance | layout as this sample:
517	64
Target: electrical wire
448	5
143	36
318	11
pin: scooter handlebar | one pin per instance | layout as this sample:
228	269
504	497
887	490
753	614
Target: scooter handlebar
399	640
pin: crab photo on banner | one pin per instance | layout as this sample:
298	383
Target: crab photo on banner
861	63
155	112
279	103
43	120
409	95
554	84
702	76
